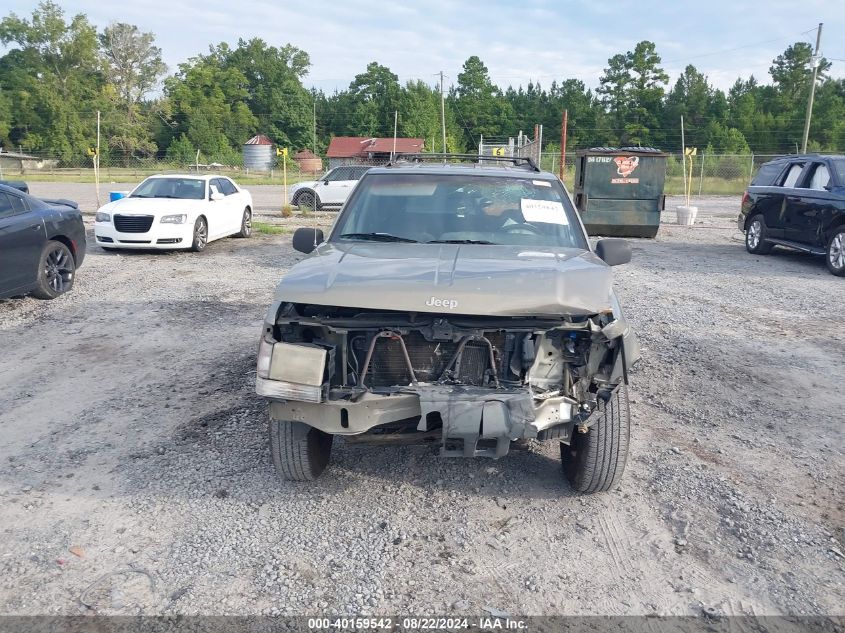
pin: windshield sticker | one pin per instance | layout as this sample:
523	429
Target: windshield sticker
547	211
542	183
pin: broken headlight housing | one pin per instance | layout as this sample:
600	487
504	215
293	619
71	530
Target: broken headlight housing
290	372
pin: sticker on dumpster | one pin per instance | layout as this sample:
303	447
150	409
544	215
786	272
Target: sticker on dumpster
625	166
547	211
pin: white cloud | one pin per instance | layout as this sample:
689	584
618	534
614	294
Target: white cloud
538	40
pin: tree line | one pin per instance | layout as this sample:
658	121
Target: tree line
58	71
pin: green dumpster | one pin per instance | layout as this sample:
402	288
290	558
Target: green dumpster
619	191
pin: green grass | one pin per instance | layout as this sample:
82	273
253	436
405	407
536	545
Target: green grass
130	175
269	229
710	186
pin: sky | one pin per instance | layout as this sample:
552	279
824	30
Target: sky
519	41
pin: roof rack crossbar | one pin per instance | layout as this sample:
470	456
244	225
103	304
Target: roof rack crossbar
516	161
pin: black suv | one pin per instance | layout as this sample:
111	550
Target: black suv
798	202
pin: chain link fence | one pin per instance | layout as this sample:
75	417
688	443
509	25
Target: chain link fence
712	174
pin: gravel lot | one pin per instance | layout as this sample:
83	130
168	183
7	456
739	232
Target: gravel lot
134	443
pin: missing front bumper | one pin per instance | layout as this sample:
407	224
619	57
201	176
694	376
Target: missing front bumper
473	421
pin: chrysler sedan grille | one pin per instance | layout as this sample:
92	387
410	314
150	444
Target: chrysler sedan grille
133	223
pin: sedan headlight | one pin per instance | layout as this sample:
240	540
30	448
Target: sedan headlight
174	219
102	217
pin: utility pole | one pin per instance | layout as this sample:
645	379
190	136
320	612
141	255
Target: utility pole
563	142
816	60
97	161
395	130
314	139
442	113
683	152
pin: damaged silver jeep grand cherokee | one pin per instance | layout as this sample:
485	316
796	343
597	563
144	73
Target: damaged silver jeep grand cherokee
451	303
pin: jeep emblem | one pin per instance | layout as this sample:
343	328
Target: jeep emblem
434	302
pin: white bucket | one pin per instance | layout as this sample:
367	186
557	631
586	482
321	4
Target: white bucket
686	215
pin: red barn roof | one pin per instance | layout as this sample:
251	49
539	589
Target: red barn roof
360	146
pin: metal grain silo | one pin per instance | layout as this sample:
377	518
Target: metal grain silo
258	154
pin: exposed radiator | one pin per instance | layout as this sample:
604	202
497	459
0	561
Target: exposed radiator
429	359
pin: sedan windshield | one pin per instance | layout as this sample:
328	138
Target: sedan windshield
460	209
179	188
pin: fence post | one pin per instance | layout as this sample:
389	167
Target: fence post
701	177
751	173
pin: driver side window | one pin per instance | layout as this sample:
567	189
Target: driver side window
820	177
214	187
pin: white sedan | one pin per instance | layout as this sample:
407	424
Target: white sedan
175	212
331	190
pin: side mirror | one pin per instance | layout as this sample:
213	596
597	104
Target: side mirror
305	240
216	195
326	181
614	251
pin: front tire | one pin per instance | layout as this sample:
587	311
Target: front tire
308	201
835	254
300	452
755	237
200	235
246	224
56	271
594	461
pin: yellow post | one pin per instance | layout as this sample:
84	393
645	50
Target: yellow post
689	152
283	152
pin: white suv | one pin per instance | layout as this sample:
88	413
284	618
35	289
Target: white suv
331	190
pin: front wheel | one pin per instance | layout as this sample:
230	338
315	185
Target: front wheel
300	452
835	256
594	461
755	237
200	235
56	271
246	224
307	201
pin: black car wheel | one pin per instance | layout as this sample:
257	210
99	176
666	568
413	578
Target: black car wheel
246	224
594	461
300	452
307	200
835	256
56	271
200	235
755	237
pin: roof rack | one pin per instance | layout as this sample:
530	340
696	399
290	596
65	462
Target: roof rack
516	161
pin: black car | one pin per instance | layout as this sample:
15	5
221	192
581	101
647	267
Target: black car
16	184
42	243
798	202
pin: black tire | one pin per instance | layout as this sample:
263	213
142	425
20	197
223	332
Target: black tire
246	224
56	271
200	235
835	253
594	461
300	452
755	236
307	200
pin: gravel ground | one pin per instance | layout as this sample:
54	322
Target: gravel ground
135	477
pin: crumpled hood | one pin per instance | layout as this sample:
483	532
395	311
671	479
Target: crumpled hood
483	280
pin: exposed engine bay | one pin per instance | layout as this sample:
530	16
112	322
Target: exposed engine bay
475	383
